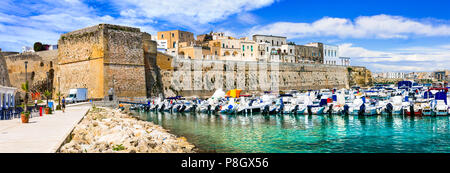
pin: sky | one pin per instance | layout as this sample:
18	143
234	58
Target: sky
383	35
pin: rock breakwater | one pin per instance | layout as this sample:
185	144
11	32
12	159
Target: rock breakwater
106	130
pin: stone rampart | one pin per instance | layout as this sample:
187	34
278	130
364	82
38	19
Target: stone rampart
39	63
4	76
203	77
101	58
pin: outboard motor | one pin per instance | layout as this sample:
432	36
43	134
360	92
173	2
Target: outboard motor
280	110
389	108
182	108
309	111
193	108
346	110
411	109
266	109
362	110
330	109
209	108
295	109
162	107
217	108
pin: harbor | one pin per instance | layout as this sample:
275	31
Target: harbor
406	98
372	120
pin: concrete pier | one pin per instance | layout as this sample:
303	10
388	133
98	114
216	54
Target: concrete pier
42	134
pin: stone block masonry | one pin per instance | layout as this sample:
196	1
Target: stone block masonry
4	76
203	77
102	57
39	63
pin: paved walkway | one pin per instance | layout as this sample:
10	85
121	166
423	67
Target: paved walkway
42	134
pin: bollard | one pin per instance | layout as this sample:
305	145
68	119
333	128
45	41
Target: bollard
40	111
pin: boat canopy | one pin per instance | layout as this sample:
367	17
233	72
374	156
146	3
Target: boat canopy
427	95
404	84
286	95
323	102
441	96
173	98
439	89
234	93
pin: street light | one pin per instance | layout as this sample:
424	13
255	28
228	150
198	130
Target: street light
59	90
26	83
47	88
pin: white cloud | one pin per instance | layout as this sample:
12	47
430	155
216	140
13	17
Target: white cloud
378	26
53	19
403	59
46	20
247	18
195	11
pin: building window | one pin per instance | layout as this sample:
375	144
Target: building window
243	47
223	45
272	42
290	50
173	35
252	48
162	35
174	44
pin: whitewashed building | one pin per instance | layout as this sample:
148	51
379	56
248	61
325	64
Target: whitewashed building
7	99
393	75
288	53
27	49
331	55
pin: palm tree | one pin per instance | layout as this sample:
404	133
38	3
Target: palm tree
25	88
47	95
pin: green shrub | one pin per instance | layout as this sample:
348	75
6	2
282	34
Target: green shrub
118	147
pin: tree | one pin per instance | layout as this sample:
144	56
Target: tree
47	95
26	89
38	46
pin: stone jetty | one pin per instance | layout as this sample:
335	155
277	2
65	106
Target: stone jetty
106	130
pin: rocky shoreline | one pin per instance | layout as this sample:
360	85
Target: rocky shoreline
106	130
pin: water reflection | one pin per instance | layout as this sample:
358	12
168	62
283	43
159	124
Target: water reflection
307	133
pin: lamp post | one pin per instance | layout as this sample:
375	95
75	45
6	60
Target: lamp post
59	90
26	83
47	89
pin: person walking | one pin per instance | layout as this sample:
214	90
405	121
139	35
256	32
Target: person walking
64	104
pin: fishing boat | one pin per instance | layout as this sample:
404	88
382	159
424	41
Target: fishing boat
441	107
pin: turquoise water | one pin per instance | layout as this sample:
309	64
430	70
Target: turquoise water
308	134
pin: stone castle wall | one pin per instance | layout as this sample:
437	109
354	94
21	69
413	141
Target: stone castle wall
202	78
360	76
39	63
4	76
100	58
